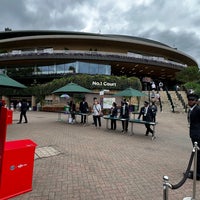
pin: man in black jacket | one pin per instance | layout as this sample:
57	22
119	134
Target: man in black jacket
124	114
194	127
23	109
83	109
147	115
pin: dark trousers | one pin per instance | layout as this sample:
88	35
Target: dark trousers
125	125
97	118
83	118
73	115
154	118
23	114
148	129
198	155
113	124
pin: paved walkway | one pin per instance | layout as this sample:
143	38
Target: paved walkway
74	162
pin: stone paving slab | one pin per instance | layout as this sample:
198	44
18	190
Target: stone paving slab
84	163
44	152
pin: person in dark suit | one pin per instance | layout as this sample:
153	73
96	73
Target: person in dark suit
23	109
83	109
154	110
124	114
194	127
113	113
72	110
147	115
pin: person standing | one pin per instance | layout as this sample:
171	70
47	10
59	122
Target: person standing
154	110
194	127
160	86
96	113
147	115
113	114
72	110
124	114
158	98
23	110
83	109
153	86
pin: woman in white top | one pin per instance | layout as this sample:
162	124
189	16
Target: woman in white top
96	113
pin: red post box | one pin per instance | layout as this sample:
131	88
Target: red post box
3	129
9	117
17	168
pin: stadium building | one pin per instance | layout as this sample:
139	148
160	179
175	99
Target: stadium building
44	55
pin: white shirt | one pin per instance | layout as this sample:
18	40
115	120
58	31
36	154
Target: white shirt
96	109
146	109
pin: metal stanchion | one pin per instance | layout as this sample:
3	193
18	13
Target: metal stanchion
166	186
195	150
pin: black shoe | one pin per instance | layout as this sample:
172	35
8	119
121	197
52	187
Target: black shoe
25	122
18	122
146	134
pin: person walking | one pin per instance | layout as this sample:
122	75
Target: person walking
23	110
113	114
147	115
83	109
194	127
96	113
124	114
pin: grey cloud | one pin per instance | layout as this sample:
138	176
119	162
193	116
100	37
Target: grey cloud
175	23
184	41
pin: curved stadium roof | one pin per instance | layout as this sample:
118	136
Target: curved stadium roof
127	55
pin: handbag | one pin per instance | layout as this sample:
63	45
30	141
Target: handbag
101	114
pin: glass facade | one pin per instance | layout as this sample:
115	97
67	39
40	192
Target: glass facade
74	67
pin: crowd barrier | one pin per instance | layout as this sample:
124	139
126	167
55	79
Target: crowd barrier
167	185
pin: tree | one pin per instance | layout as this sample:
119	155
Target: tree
71	68
190	78
189	74
8	29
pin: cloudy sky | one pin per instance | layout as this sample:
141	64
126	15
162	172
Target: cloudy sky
173	22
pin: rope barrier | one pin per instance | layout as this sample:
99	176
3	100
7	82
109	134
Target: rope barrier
178	185
167	185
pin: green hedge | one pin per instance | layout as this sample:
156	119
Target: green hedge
85	80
